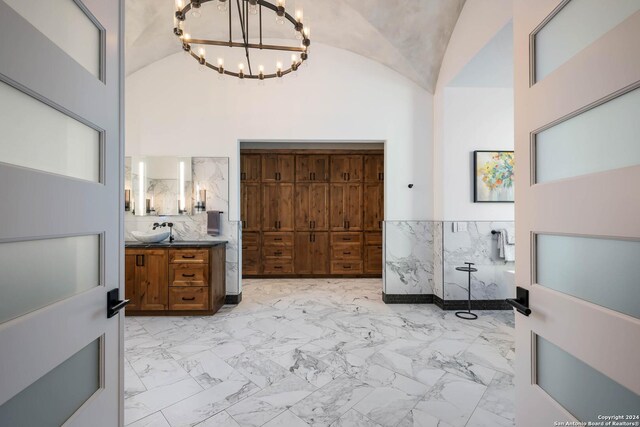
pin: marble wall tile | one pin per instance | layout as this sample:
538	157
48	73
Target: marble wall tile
408	257
479	246
211	174
438	260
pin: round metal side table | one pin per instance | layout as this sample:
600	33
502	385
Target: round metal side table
467	315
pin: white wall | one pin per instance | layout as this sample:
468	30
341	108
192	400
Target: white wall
173	108
474	119
477	25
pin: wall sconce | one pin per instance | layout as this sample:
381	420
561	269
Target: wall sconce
127	200
201	199
148	206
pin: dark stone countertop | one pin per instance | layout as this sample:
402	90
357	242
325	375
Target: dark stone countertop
175	244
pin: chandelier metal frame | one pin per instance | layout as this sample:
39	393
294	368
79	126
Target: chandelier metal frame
243	16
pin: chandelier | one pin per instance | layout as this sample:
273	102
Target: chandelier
241	13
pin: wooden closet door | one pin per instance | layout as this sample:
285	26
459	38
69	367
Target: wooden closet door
354	206
302	210
154	280
373	206
270	207
374	168
250	207
319	207
269	168
286	167
320	253
250	167
312	168
338	207
346	168
285	193
303	261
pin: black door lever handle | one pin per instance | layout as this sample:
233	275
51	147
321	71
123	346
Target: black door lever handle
114	304
521	302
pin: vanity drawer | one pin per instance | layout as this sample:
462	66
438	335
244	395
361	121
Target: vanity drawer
278	239
277	267
346	252
346	267
278	252
183	256
188	275
338	238
184	298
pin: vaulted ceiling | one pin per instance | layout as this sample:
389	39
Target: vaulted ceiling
409	36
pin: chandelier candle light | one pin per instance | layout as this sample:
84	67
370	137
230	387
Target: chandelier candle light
244	9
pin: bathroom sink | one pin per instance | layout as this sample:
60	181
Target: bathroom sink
150	236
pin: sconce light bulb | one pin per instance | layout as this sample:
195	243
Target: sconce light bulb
202	52
179	4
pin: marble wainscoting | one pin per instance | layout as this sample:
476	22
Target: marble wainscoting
408	261
475	243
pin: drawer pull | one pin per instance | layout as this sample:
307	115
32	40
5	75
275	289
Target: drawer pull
346	239
346	253
278	239
277	267
188	275
346	267
188	299
188	256
277	253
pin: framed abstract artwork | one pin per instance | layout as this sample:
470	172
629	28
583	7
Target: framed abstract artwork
493	176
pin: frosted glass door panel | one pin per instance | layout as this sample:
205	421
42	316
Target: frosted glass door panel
56	396
40	272
580	389
37	136
600	139
576	26
601	271
67	25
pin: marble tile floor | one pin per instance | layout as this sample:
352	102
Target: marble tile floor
317	353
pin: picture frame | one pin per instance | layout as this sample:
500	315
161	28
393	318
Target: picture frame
493	176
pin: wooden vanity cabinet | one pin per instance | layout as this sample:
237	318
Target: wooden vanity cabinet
175	281
147	278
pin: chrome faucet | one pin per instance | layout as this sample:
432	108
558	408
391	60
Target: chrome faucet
165	224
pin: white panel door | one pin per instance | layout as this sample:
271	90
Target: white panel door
61	168
577	95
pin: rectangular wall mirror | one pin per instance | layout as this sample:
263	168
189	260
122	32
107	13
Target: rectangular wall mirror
161	186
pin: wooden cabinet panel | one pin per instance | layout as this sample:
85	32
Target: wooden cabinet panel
251	241
312	207
250	207
312	253
277	207
154	280
373	195
374	168
188	275
346	168
346	207
312	168
373	259
250	262
189	298
373	238
250	165
131	290
278	167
